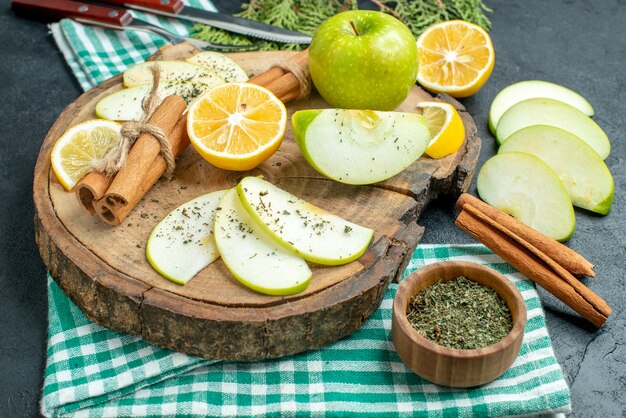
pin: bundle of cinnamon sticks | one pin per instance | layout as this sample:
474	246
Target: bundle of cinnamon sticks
113	197
547	262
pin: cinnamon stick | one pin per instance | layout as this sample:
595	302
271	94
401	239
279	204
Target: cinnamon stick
286	88
263	79
114	214
92	188
128	180
282	82
530	261
563	255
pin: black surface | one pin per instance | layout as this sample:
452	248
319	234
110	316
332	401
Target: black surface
579	44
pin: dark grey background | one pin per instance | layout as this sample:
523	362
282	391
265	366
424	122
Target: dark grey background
577	43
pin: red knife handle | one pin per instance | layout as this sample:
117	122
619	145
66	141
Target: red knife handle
168	6
59	9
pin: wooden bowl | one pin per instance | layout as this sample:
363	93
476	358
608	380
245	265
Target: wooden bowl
447	366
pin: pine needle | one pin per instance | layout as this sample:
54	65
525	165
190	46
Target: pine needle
306	15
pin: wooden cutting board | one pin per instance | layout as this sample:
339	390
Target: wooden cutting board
103	269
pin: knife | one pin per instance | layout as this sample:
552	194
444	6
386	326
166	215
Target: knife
105	17
176	9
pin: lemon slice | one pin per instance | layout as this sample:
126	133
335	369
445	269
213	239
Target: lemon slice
446	128
455	57
75	151
236	126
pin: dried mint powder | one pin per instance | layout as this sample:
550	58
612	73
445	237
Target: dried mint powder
461	314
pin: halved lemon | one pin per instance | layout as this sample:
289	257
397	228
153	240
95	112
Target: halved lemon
237	126
80	146
446	128
456	57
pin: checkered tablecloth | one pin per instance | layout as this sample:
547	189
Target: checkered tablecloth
95	372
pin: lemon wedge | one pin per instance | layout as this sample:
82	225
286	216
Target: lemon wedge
446	128
75	151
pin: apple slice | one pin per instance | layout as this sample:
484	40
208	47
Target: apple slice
126	104
553	113
525	187
252	256
360	146
585	176
171	71
221	65
182	244
307	230
532	89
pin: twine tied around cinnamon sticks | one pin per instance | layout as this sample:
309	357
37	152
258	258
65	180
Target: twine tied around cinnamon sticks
301	74
116	157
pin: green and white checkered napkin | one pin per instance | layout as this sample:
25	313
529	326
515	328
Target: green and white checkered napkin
96	54
94	372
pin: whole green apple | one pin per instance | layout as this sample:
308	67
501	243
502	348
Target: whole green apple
363	59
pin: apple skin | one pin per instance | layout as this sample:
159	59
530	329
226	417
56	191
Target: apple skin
374	70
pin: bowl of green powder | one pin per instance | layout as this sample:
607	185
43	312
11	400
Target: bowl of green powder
458	324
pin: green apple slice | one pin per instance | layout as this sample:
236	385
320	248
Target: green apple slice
525	187
252	256
171	71
126	104
360	146
182	244
307	230
585	176
221	65
532	89
553	113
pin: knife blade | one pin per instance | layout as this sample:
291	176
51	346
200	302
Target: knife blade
176	9
106	17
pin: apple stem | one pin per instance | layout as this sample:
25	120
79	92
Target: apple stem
356	31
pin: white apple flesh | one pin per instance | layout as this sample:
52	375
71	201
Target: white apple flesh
172	71
125	104
304	229
360	146
220	64
585	176
525	187
252	256
534	89
553	113
182	244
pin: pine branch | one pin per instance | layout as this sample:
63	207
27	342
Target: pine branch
306	15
